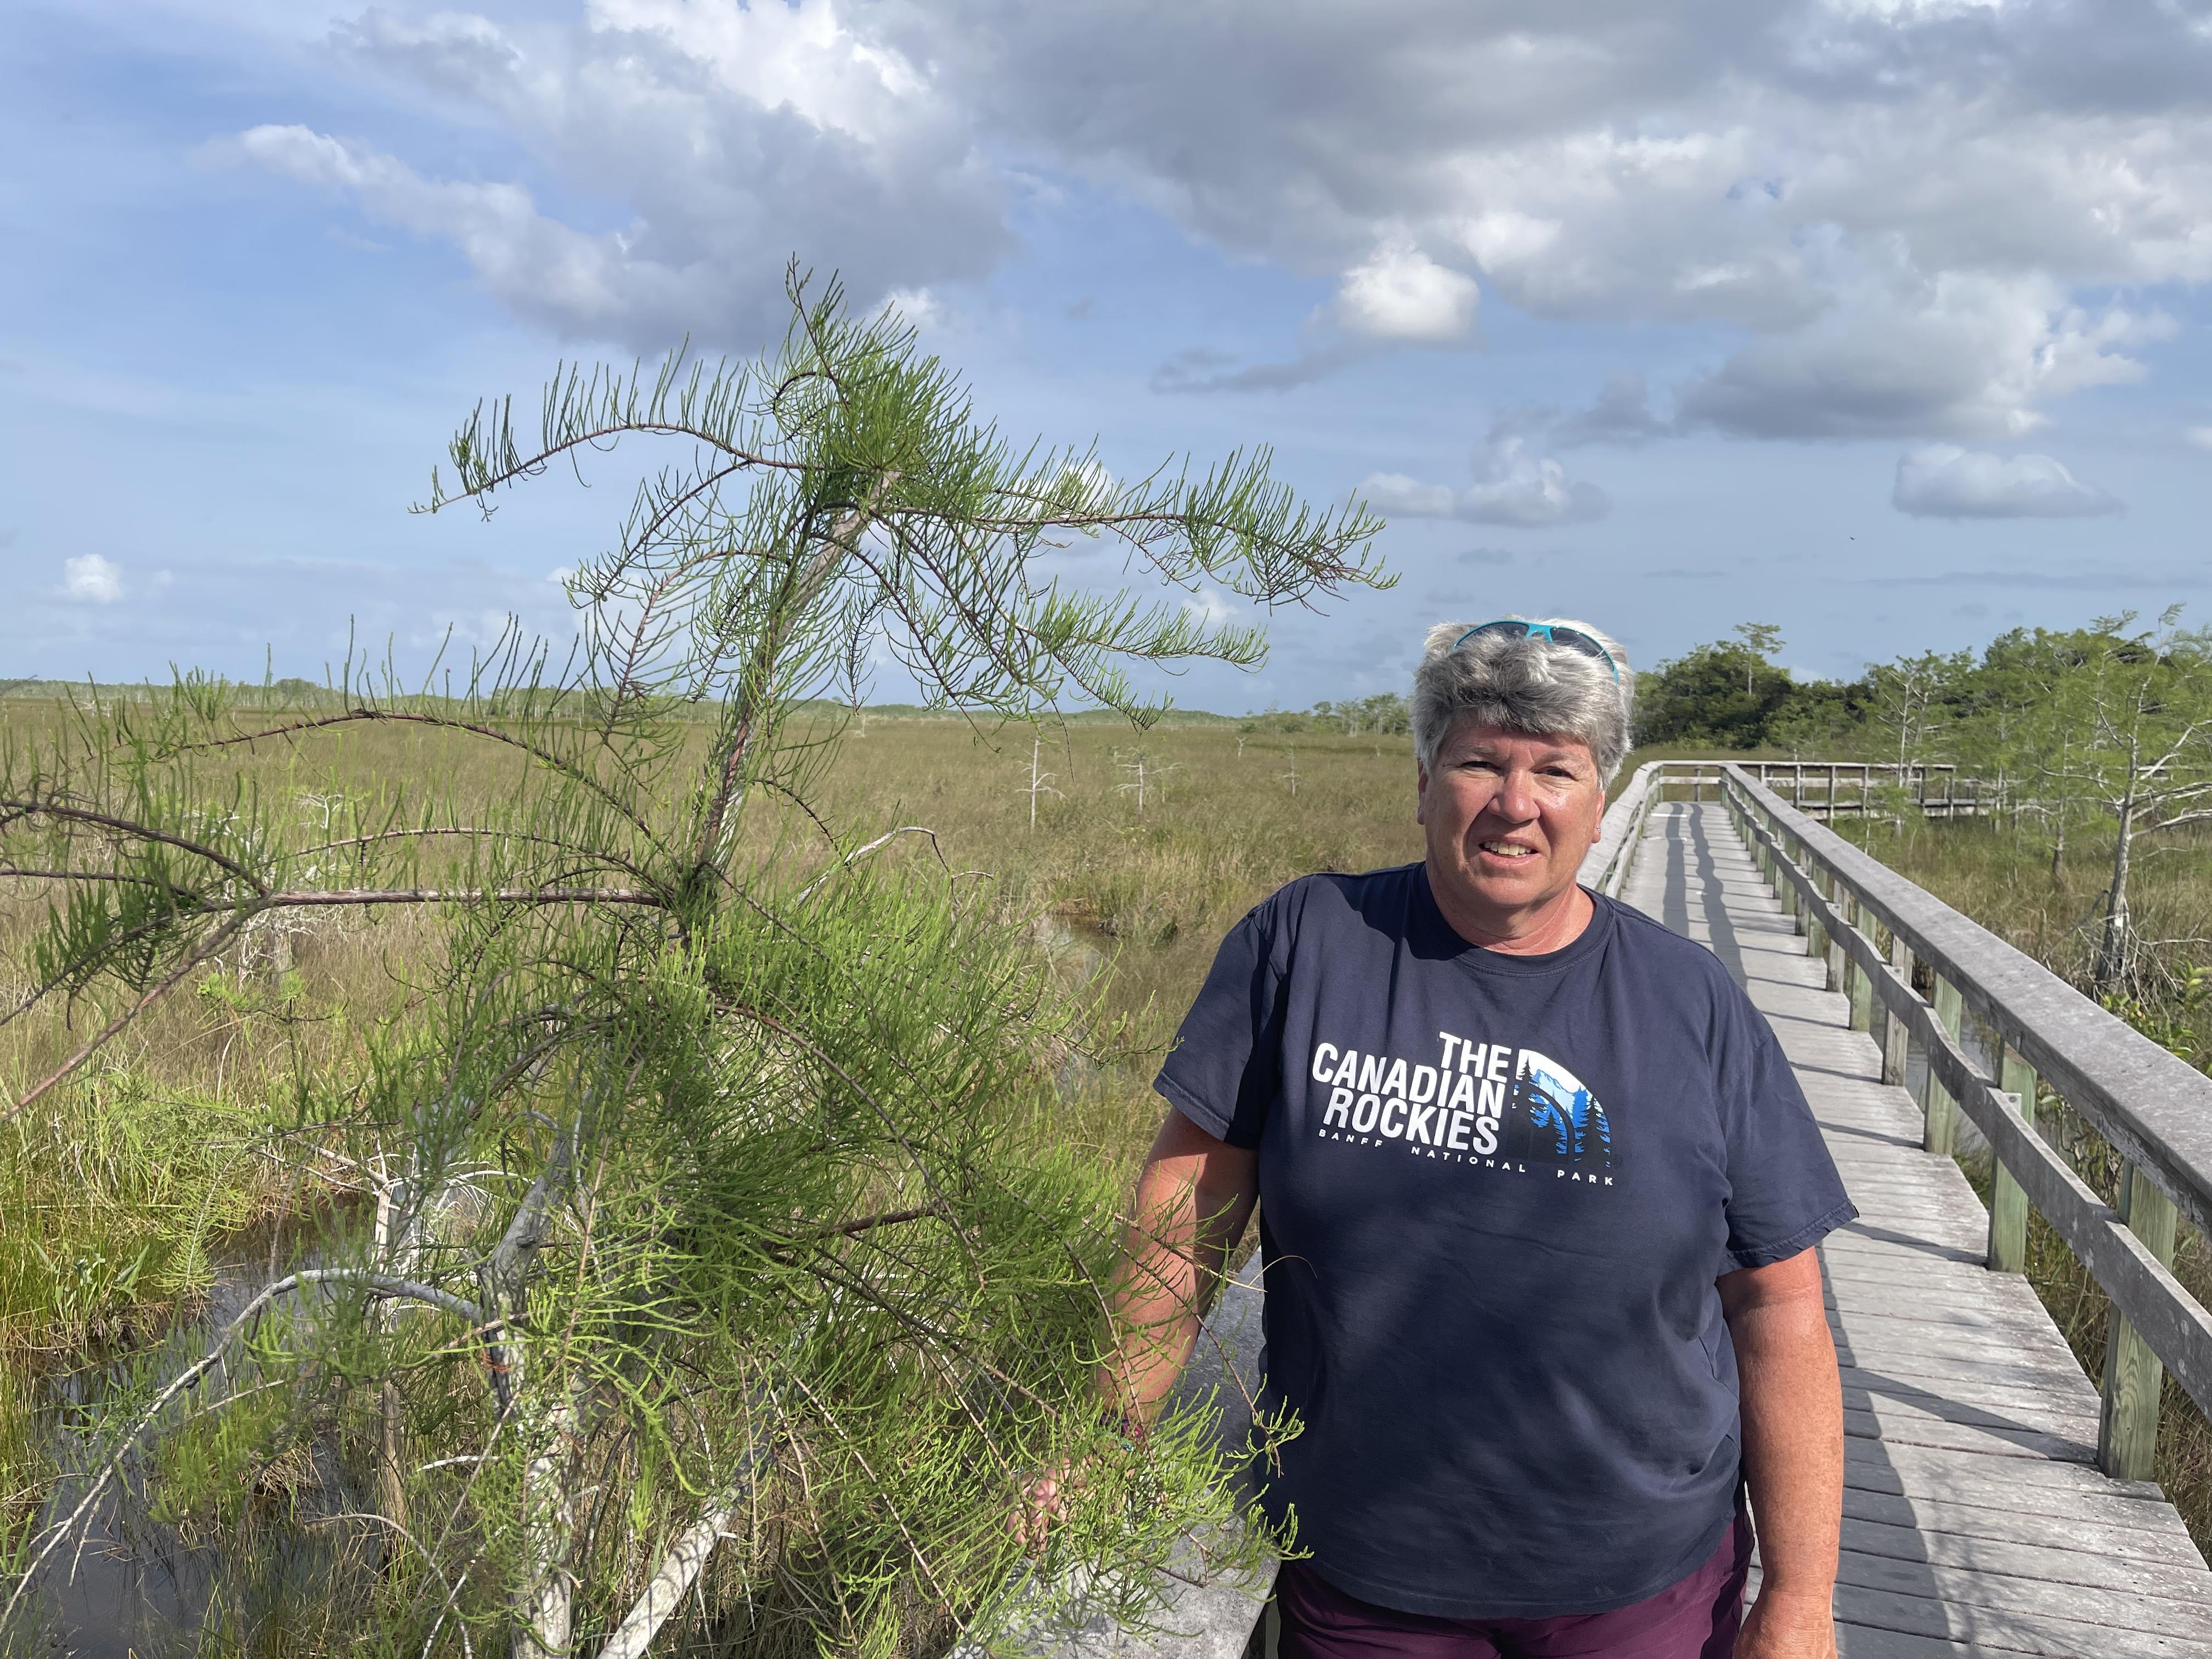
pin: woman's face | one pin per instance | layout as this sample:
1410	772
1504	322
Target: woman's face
1508	818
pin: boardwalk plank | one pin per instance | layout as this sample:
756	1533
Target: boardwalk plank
2076	1526
1885	1622
2044	1562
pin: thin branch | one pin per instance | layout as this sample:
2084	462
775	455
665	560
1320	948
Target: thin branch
140	831
304	898
509	472
89	875
544	758
859	853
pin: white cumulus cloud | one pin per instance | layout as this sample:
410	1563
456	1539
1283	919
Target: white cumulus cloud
1916	212
1513	488
88	576
732	137
1905	218
1943	481
1401	295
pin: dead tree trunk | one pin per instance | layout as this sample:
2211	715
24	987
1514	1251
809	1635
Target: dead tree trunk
2113	949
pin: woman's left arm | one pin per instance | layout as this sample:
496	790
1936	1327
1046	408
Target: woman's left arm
1793	1453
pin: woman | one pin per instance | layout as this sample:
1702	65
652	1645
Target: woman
1541	1195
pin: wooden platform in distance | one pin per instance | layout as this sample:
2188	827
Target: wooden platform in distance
1975	1520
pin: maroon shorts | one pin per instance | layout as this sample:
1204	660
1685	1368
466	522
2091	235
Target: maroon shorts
1695	1617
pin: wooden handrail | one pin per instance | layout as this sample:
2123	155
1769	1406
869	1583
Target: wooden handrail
1605	866
2153	1108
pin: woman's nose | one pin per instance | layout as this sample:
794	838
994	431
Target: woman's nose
1515	798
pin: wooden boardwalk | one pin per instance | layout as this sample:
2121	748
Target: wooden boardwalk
1975	1519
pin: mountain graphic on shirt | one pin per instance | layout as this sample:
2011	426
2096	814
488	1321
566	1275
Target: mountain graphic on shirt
1559	1118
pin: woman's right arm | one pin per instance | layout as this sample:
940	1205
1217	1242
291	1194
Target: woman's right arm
1193	1200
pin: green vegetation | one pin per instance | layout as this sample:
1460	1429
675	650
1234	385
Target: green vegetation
194	1149
678	1224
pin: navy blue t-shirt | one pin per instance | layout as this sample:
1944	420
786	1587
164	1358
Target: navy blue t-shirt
1495	1192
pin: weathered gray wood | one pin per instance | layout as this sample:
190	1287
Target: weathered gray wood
2045	1563
2029	1398
1936	1471
2027	1600
2007	1202
1898	1426
1856	986
1983	1631
1942	1134
1859	1641
2127	1439
2069	1531
2152	1104
1896	1038
1869	1620
2048	1400
1978	1519
2173	1325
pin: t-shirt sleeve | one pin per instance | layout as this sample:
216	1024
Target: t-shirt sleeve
1784	1195
1225	1067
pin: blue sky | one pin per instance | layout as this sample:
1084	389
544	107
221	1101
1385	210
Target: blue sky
1883	320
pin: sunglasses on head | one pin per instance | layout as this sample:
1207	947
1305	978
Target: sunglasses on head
1573	638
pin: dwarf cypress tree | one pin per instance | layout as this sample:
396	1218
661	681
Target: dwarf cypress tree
720	1267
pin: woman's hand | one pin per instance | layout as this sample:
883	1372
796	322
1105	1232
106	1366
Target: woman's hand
1784	1626
1042	1504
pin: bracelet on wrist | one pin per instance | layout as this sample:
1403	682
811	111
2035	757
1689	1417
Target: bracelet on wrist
1127	1427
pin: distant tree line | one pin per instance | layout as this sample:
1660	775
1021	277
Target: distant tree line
1385	713
2101	733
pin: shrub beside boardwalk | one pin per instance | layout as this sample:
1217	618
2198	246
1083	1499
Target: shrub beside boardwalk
182	1167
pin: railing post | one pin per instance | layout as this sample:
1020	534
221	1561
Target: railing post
2127	1429
2007	1204
1858	984
1940	1134
1838	959
1896	1041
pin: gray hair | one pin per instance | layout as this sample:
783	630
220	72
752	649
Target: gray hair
1531	685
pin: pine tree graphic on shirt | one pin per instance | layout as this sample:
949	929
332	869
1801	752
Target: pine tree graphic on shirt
1558	1117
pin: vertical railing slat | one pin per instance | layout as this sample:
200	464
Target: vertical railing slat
2008	1203
1896	1040
1940	1134
1858	985
2127	1430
